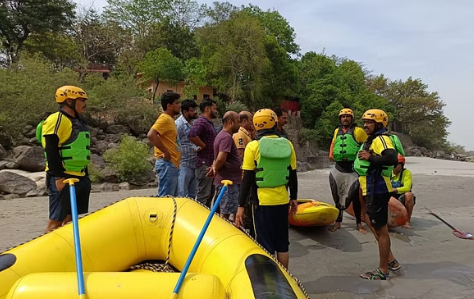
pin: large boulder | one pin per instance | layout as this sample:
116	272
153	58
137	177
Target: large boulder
98	161
108	175
38	177
113	138
5	140
29	158
100	147
13	183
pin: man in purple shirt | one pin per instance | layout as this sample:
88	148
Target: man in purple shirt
202	134
227	164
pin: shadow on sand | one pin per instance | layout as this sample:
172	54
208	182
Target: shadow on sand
341	240
457	273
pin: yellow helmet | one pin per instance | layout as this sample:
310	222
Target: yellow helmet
377	115
346	111
264	119
69	92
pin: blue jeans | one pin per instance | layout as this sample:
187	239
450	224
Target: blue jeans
167	178
187	183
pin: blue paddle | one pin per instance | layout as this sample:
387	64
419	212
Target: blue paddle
77	240
199	239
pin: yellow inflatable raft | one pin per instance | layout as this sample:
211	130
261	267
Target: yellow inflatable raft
313	213
228	264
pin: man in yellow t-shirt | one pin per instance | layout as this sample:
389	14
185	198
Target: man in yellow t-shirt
66	140
269	165
374	164
243	136
164	137
241	139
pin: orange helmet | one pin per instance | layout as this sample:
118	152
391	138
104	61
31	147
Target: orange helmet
377	115
401	159
346	111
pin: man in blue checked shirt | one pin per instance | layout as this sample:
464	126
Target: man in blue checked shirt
187	183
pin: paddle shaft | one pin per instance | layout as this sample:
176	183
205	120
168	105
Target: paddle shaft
441	219
77	240
198	242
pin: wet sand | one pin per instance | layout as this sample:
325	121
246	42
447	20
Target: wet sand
435	264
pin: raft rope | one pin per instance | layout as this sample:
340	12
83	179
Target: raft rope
155	267
152	267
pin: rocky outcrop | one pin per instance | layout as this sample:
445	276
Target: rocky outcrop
13	183
24	164
29	158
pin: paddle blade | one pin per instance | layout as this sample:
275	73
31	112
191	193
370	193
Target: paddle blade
462	235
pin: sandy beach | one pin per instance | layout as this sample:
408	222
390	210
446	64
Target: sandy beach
435	264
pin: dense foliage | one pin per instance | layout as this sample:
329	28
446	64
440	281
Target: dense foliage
247	54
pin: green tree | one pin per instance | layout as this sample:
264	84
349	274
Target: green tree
415	110
276	26
21	18
59	48
171	35
160	64
186	13
27	91
138	16
234	52
220	11
329	84
195	76
97	41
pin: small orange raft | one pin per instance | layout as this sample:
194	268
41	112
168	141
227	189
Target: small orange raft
313	213
397	214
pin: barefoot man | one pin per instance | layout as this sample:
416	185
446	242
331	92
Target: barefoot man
342	178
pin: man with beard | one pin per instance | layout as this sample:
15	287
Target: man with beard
374	165
282	114
164	137
227	163
342	178
202	134
187	183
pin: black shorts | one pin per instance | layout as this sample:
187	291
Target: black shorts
401	198
376	206
60	201
271	225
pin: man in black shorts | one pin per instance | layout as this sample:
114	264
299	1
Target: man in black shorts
66	141
269	164
374	165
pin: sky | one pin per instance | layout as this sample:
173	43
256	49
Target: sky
428	39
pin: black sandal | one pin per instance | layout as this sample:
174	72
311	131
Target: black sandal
394	265
376	275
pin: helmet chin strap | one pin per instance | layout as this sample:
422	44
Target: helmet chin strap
72	106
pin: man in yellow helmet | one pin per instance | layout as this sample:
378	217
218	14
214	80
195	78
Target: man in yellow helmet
342	178
66	141
269	165
374	165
